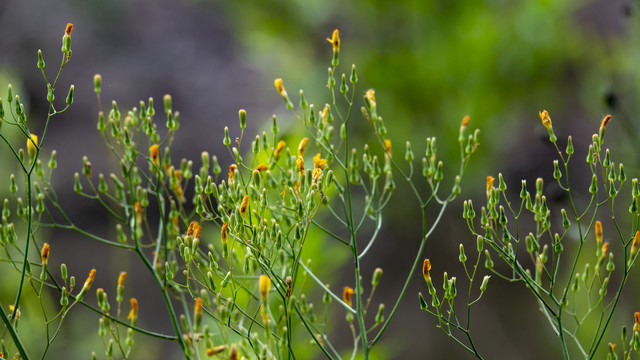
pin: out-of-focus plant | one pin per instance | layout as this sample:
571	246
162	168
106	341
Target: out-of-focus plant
572	286
225	249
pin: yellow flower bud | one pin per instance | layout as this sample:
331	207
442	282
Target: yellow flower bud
244	206
32	144
264	284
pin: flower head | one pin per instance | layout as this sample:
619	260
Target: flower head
319	162
262	167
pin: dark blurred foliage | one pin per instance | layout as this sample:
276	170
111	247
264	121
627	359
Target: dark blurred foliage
430	61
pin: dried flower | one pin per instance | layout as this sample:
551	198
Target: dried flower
192	228
69	29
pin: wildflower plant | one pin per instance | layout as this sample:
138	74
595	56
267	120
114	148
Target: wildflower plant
559	255
224	247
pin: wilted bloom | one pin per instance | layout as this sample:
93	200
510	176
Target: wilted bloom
121	278
192	228
44	255
426	267
69	29
278	84
302	146
370	95
262	167
335	40
133	314
90	278
264	284
598	231
636	318
32	143
605	248
387	146
232	172
279	147
465	121
216	350
244	206
604	123
300	165
154	154
224	233
233	353
546	120
635	244
346	295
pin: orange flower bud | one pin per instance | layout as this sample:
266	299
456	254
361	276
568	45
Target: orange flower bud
133	314
465	121
121	278
154	153
598	231
262	167
426	266
346	295
69	29
387	145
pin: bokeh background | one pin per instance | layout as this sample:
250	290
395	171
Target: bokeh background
430	61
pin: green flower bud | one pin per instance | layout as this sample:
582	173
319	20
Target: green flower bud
242	115
70	95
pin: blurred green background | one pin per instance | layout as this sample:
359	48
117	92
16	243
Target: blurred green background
430	61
